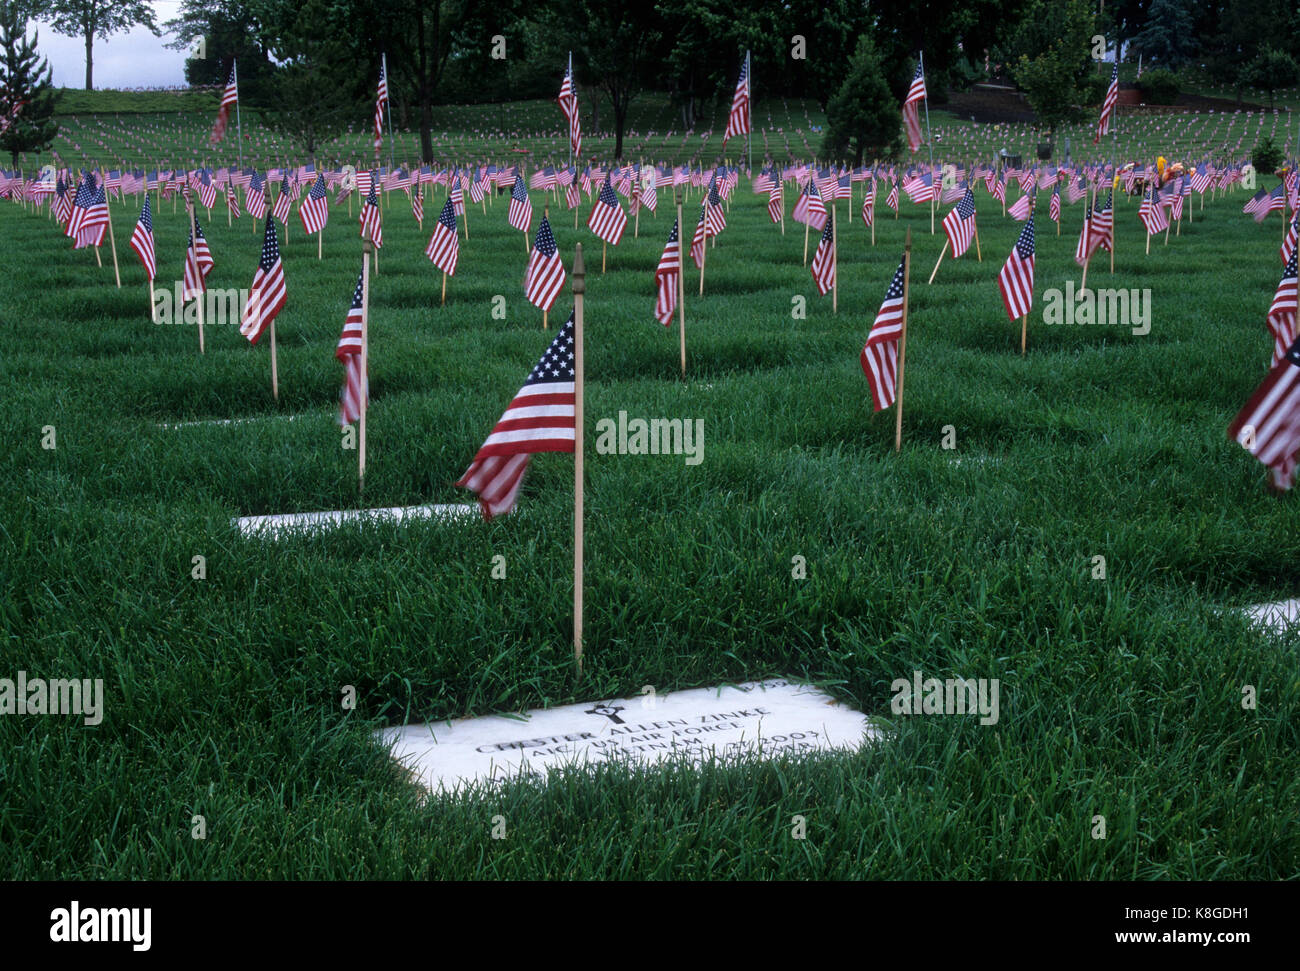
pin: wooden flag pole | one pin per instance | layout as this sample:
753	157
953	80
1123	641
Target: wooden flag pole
978	255
444	287
153	306
603	246
805	245
320	243
1024	333
579	291
835	263
902	341
366	246
112	242
942	253
704	258
681	282
275	373
189	206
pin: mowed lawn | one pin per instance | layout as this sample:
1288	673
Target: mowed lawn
1120	697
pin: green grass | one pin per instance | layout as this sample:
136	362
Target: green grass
1119	697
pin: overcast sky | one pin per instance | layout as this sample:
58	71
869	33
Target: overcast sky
136	59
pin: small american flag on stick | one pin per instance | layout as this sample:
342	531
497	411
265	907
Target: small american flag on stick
541	418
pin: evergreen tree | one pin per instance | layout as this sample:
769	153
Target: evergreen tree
27	93
863	115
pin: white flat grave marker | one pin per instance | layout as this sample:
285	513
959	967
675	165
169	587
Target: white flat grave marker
1280	616
273	527
226	421
762	718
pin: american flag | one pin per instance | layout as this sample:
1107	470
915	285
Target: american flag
869	203
62	206
539	419
738	122
668	277
142	239
371	224
1084	248
809	208
823	264
1054	207
920	188
911	114
700	238
207	191
1076	190
568	102
999	191
229	97
1152	215
89	220
892	199
1108	106
1276	202
1021	207
1201	178
959	224
1016	281
879	356
255	196
232	201
572	195
650	195
1282	313
1256	203
198	263
315	211
715	220
351	351
607	219
1269	425
444	246
380	101
545	275
458	196
266	297
417	204
776	200
521	207
283	202
1102	226
1289	241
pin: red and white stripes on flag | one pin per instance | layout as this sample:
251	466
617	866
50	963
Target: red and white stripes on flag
1016	281
1108	106
521	207
266	297
869	202
911	113
959	224
381	100
198	263
444	245
809	208
1152	215
228	97
823	264
351	351
879	355
568	102
1269	425
738	121
371	225
315	210
1282	312
545	276
142	239
668	276
539	419
607	219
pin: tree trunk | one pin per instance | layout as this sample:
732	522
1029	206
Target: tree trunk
426	108
90	63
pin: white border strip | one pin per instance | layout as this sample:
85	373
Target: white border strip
273	527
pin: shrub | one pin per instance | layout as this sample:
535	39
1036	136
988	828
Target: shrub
1159	87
